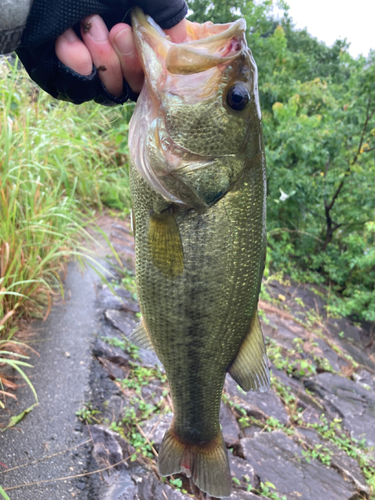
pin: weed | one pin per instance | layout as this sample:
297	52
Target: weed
299	301
291	362
123	344
3	494
320	452
128	282
87	414
334	433
12	354
265	490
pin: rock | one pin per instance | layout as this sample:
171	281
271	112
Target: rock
345	465
149	359
120	320
353	342
114	354
118	486
350	401
284	330
326	352
121	299
365	378
243	471
245	495
250	431
150	488
114	409
278	459
257	404
312	409
81	485
156	427
229	425
153	392
109	448
123	322
108	300
114	370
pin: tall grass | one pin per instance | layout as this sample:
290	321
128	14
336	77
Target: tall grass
58	163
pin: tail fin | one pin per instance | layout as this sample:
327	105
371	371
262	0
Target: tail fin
207	465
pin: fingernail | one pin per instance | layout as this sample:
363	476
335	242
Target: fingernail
70	36
96	28
124	42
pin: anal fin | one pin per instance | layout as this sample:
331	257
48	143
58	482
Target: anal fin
140	337
250	367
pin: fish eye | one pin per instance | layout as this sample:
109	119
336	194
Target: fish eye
238	97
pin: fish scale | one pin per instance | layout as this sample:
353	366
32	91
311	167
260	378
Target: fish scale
199	261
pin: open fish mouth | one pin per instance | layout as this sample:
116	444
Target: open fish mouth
208	45
187	74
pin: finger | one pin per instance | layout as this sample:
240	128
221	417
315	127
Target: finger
95	35
72	52
121	37
178	33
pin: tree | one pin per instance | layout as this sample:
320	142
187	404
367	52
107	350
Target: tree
318	107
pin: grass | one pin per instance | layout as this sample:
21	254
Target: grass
58	164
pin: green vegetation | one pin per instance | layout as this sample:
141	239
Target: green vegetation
138	410
331	432
58	163
87	414
318	106
3	494
123	344
266	488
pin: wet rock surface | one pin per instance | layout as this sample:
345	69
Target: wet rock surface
278	459
298	441
275	440
348	400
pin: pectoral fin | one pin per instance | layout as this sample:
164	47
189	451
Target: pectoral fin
165	243
250	367
140	337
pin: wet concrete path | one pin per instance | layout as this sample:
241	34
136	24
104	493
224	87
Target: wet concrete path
61	379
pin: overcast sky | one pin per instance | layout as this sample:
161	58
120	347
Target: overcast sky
329	20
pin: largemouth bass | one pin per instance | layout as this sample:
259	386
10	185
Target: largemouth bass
198	186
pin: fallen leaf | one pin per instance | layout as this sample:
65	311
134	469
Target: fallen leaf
17	418
8	383
281	297
8	394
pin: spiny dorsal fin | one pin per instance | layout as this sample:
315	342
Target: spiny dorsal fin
165	243
140	338
250	367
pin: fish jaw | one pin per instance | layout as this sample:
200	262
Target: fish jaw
182	122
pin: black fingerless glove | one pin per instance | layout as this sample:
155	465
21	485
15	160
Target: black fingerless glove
48	20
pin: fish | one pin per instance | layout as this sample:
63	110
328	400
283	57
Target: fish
198	185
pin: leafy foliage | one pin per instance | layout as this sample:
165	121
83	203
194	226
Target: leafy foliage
318	108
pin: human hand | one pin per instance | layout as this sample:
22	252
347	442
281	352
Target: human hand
113	52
